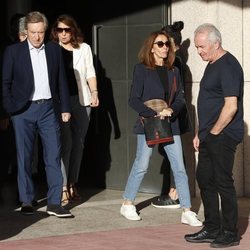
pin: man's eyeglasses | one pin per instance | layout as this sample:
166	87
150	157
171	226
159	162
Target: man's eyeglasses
60	30
161	44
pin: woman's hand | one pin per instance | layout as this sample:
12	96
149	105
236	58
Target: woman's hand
94	99
166	113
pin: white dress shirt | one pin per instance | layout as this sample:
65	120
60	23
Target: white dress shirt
40	72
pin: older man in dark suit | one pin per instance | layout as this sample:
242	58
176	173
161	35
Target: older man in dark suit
34	87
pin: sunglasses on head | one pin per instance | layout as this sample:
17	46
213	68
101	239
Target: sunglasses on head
60	30
160	44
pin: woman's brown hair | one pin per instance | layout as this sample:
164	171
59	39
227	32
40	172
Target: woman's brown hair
76	33
145	55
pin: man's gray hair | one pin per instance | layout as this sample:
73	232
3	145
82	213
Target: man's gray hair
21	25
214	34
36	17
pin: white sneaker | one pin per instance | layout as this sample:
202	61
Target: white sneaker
190	218
129	212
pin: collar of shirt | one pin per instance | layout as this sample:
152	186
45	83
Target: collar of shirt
31	47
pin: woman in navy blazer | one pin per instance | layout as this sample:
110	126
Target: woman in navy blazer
153	79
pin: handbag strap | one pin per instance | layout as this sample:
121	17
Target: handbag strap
173	90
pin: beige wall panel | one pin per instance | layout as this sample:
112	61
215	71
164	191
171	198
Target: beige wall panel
246	154
246	39
228	20
246	65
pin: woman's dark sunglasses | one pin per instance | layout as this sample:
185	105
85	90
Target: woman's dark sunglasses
161	44
60	30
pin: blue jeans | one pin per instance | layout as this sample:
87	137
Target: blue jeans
141	163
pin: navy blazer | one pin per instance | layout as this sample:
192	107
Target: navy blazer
18	78
147	85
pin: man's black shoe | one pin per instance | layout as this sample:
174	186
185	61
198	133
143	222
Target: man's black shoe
202	236
27	209
59	211
225	239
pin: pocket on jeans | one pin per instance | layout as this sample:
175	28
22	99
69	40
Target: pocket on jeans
212	137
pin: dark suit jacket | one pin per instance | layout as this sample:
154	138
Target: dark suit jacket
146	86
18	78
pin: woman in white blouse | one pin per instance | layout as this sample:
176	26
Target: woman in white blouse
82	82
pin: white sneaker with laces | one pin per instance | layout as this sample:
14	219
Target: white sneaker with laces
190	218
129	212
